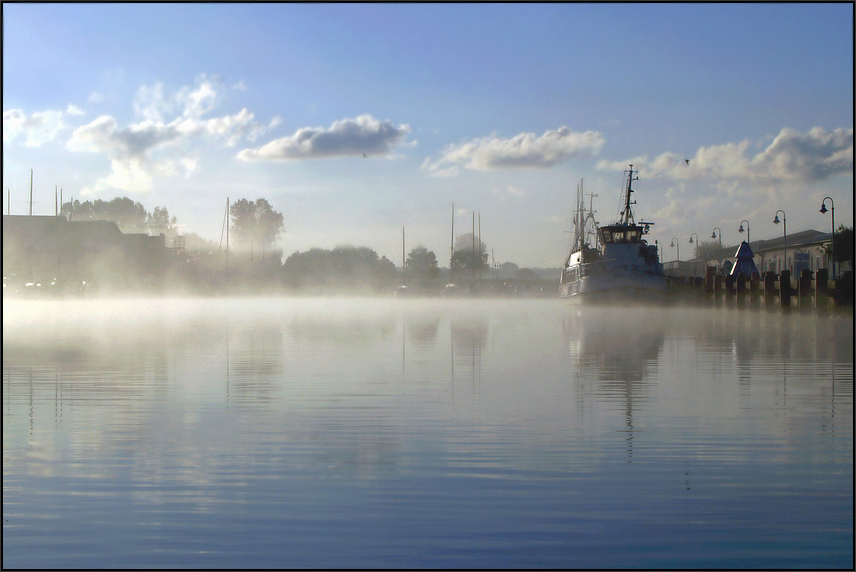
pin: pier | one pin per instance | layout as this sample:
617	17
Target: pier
808	292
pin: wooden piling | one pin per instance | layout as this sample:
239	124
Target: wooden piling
754	290
742	291
804	289
729	288
709	280
717	288
770	291
785	289
821	290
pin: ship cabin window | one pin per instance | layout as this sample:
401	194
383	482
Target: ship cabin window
621	235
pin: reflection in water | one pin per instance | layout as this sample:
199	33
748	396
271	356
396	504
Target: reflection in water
254	355
390	433
616	350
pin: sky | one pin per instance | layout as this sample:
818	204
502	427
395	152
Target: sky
357	120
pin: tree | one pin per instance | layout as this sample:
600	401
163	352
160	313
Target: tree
465	242
465	258
159	222
707	250
842	243
343	267
526	275
255	224
422	264
128	215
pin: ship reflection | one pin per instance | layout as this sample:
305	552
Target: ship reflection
616	351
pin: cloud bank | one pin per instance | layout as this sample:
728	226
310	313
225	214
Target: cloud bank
39	128
523	151
154	147
347	137
791	157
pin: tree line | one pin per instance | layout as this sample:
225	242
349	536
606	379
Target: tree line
252	224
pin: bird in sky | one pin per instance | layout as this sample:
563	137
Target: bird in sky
688	161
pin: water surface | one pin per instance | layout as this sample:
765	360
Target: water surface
442	433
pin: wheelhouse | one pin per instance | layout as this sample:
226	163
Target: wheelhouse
620	234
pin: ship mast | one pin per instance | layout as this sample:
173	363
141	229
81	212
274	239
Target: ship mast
627	213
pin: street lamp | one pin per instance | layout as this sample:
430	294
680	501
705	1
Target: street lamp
713	235
747	229
785	229
698	243
823	211
675	243
696	237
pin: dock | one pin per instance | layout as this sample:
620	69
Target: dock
809	292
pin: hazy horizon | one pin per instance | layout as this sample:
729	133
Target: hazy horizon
356	120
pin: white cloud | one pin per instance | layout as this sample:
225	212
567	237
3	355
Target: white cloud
153	147
13	123
791	156
437	171
95	97
508	191
40	127
346	137
131	175
74	110
525	150
812	156
151	103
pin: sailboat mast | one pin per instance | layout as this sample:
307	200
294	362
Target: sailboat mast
581	225
452	242
480	248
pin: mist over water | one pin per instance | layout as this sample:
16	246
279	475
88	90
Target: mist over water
361	432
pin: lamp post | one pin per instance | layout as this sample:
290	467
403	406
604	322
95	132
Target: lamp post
785	229
823	211
675	243
713	235
691	240
696	252
747	230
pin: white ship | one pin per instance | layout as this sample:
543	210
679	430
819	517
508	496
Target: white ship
612	262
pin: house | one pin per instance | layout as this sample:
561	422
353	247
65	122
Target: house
49	248
806	250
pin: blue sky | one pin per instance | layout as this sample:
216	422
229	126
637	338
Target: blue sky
501	109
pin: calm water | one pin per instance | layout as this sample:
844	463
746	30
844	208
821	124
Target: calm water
389	433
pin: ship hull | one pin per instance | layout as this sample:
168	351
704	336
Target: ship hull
629	284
